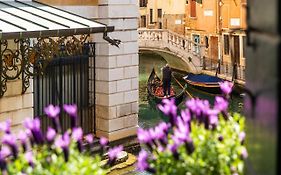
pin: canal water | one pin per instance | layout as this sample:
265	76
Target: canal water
149	116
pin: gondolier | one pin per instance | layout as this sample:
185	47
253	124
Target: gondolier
166	79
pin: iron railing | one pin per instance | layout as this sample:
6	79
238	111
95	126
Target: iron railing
67	80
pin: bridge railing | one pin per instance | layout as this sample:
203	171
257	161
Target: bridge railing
172	39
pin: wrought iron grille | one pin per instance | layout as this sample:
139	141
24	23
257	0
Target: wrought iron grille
68	80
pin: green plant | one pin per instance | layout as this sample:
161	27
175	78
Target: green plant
198	140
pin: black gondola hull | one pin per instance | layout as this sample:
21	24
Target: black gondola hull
151	96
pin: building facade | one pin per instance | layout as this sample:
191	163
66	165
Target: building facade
219	25
159	14
115	79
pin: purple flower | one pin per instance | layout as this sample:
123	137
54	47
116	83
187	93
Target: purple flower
70	109
4	152
114	152
169	109
185	115
182	131
173	148
34	127
226	87
220	138
89	138
213	117
29	158
77	134
52	111
10	140
144	136
5	126
51	134
242	136
23	137
103	141
221	104
244	153
72	112
63	143
142	164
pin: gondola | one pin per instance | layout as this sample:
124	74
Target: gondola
154	83
204	82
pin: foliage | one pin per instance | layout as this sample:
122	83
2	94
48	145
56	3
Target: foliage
198	140
53	153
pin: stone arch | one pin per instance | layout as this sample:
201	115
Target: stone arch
174	60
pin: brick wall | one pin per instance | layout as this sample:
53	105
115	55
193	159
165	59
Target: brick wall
15	106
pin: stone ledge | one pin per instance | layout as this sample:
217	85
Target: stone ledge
117	135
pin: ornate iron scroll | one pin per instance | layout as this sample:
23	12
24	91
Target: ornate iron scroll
26	58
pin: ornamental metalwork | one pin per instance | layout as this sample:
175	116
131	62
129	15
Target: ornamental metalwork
25	58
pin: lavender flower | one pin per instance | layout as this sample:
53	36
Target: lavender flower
53	112
182	131
169	109
72	112
220	138
142	164
113	154
173	148
144	136
244	153
4	152
34	127
77	135
10	140
103	141
23	137
63	143
242	136
5	126
213	117
89	138
221	104
51	134
226	87
29	158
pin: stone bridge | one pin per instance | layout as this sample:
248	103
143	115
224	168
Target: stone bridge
171	46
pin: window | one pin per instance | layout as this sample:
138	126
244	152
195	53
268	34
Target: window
196	39
143	3
244	46
206	41
236	49
192	8
159	13
226	44
151	16
143	21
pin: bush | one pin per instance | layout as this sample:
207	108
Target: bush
32	152
198	140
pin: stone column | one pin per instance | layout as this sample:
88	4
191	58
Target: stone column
117	71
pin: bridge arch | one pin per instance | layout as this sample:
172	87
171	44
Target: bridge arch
173	60
173	47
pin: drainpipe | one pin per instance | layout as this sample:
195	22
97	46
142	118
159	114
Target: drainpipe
219	4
